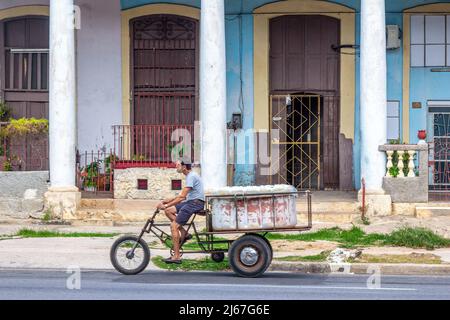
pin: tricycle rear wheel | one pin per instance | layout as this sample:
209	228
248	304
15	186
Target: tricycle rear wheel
250	256
217	256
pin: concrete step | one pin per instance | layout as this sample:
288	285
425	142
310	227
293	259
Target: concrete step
119	216
332	207
92	222
97	203
119	204
130	210
329	217
430	211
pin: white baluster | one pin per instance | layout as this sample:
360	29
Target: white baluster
400	164
389	164
411	165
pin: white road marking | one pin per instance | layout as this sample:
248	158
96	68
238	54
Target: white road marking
278	286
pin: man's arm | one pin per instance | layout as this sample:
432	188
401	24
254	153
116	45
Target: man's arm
182	196
168	200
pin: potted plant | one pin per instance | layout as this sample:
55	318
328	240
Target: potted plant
108	171
90	176
422	134
176	150
6	164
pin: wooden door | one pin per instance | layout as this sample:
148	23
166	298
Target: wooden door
24	45
165	77
303	63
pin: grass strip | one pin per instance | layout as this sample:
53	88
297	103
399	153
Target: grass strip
418	258
356	237
28	233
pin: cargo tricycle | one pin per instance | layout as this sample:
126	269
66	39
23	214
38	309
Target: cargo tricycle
252	216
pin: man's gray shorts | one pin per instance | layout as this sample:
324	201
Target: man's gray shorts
186	209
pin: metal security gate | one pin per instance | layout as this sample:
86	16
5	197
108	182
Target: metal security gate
439	164
296	125
165	81
304	67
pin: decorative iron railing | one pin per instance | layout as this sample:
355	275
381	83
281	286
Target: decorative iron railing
152	145
94	171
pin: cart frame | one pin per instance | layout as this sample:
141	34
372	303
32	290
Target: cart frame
208	245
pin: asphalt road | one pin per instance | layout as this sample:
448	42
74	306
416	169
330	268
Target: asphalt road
161	285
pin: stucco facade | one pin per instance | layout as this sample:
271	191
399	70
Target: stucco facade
103	84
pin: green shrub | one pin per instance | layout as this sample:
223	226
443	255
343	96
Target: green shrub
24	126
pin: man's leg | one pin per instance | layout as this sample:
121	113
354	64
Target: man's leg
174	226
171	213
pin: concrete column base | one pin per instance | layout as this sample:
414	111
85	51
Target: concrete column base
62	202
378	203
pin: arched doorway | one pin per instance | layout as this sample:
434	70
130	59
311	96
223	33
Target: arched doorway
304	99
164	82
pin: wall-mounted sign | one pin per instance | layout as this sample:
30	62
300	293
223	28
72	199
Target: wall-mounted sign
417	105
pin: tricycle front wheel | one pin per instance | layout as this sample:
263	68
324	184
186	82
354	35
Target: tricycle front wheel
250	256
129	261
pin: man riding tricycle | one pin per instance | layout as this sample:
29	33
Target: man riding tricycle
251	212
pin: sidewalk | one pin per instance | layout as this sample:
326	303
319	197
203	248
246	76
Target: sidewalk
438	224
93	253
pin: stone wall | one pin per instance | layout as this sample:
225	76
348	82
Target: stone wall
159	183
22	193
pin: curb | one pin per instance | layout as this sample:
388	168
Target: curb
361	268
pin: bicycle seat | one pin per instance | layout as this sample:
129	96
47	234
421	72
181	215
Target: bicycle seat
201	213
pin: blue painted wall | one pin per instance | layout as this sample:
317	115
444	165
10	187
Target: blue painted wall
424	84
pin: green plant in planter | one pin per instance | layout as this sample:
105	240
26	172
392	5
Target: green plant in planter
8	163
139	157
395	170
108	160
394	141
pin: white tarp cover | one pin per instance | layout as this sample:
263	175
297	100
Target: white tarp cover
257	212
236	190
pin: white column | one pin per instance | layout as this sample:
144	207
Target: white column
62	112
213	93
373	92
